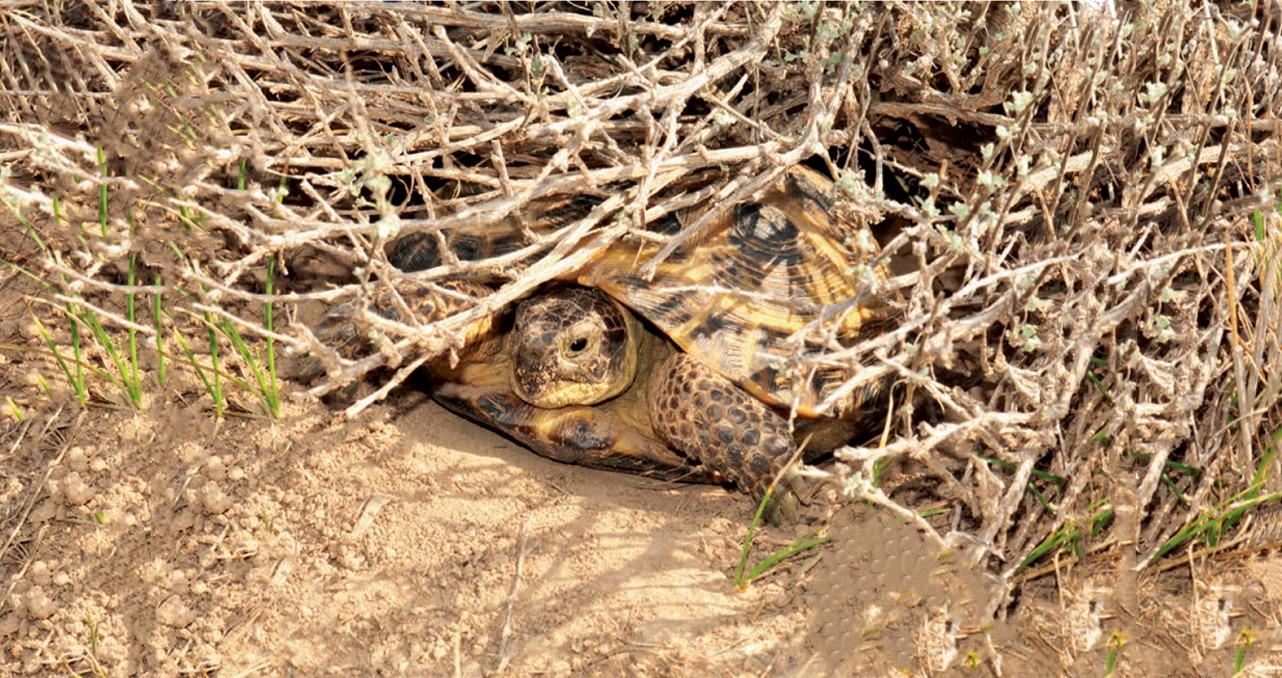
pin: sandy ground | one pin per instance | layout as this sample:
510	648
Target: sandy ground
396	543
405	542
410	542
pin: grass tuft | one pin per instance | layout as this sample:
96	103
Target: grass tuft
809	541
75	379
1214	524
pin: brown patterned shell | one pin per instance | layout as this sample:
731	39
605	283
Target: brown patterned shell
734	295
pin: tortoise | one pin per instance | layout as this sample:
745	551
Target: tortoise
689	374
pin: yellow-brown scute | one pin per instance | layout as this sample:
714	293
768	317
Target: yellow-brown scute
734	295
573	346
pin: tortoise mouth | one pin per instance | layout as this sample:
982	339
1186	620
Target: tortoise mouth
563	393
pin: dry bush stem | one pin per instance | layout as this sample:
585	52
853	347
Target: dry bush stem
1082	251
563	23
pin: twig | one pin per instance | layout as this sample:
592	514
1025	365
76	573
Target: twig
523	550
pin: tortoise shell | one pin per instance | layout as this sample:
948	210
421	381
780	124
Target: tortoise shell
736	294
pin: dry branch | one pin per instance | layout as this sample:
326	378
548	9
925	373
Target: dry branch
1071	202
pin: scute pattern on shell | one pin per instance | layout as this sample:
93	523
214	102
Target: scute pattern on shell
420	251
733	296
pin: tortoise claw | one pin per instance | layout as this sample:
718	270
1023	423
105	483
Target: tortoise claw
790	490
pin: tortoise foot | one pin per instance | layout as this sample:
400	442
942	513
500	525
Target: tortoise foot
709	418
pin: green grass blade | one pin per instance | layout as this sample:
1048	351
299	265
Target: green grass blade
217	390
238	343
1212	525
1115	646
27	273
130	388
1100	385
31	231
807	542
45	385
133	334
1058	480
1064	534
76	380
747	543
75	346
1069	533
160	335
271	343
214	393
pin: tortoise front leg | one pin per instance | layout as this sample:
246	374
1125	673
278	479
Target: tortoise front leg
582	435
708	417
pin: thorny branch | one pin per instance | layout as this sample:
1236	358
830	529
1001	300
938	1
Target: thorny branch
1084	257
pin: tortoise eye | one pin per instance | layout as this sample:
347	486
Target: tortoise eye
578	345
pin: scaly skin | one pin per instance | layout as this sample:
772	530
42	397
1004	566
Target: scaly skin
708	417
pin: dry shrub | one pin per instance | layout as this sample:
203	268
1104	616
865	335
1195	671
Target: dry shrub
1080	204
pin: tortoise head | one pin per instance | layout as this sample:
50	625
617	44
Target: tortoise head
573	346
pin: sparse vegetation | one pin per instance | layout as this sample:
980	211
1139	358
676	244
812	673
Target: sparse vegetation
808	541
1080	205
